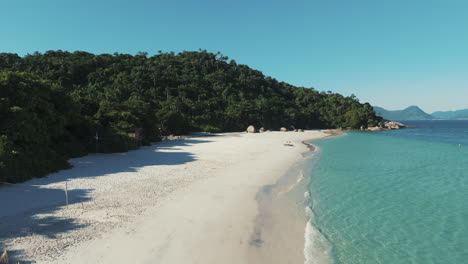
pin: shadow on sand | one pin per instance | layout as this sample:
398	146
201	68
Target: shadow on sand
21	205
21	209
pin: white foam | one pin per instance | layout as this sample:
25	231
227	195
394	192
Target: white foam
309	213
316	247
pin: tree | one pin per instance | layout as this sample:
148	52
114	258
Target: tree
53	104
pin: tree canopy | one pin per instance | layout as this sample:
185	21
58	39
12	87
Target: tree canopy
59	104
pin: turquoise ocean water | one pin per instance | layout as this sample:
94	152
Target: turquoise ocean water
390	197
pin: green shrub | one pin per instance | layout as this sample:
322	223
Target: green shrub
211	129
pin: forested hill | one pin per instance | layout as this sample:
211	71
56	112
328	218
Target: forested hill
58	105
409	113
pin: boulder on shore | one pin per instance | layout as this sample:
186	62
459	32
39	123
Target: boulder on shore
283	129
386	125
300	130
392	125
261	130
376	128
251	129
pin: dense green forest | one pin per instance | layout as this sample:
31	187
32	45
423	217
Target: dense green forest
58	105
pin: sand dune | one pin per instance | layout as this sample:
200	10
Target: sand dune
181	201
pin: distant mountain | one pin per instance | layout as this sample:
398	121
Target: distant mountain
410	113
458	114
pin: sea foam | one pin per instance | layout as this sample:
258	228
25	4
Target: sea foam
316	247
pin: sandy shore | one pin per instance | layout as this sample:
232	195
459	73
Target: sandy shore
181	201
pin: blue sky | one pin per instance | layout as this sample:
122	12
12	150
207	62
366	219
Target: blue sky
389	53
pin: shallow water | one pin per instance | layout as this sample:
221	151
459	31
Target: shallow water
391	197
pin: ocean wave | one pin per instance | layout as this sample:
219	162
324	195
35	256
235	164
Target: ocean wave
317	249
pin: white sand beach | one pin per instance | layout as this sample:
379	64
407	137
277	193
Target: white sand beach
183	201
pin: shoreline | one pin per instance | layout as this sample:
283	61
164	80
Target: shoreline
282	220
171	202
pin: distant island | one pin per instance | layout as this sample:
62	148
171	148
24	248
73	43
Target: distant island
457	114
409	113
416	113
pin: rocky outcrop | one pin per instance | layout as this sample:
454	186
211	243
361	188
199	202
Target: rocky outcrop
283	129
376	128
391	125
261	130
251	129
387	125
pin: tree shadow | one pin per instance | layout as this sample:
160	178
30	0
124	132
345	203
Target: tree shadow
24	207
12	255
99	164
24	212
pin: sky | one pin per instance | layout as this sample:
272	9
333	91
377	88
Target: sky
391	54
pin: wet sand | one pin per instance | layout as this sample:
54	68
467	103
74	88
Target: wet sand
280	224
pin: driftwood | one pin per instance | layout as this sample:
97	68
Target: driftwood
4	258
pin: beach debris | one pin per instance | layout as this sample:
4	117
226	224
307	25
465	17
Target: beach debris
4	258
283	129
288	144
251	129
261	130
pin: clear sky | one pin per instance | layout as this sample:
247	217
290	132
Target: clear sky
389	53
